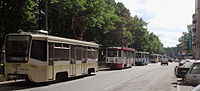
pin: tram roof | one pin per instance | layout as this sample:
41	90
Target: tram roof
58	39
155	54
142	52
121	48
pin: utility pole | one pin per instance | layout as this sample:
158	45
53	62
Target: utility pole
46	15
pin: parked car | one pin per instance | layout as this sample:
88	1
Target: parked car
164	61
197	88
193	75
176	60
170	59
181	71
184	61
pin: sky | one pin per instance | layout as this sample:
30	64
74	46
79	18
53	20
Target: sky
167	18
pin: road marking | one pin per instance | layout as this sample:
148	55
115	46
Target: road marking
177	85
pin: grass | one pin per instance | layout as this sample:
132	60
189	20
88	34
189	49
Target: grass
2	77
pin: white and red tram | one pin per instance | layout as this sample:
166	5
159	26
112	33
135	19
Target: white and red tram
120	57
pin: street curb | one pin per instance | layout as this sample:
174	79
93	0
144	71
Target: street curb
2	80
12	81
177	85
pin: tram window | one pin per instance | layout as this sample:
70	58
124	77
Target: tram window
112	53
51	51
125	54
119	53
92	53
130	54
57	54
151	56
138	55
65	45
61	53
58	45
143	55
39	50
146	55
66	54
84	52
79	53
73	51
96	53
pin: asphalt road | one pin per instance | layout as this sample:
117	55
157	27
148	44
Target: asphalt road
152	77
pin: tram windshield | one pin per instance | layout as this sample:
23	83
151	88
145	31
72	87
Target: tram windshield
17	47
138	55
112	53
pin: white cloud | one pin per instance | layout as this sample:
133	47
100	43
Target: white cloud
171	16
168	37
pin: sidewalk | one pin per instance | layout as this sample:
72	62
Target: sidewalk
181	86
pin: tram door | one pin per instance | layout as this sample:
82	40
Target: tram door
73	61
50	62
79	58
126	57
84	60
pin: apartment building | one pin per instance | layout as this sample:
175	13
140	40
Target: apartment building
196	31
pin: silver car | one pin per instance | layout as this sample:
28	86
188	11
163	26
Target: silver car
193	75
164	61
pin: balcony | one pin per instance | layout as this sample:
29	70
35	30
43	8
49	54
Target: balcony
194	29
194	19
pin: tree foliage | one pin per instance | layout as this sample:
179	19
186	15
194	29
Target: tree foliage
185	38
103	21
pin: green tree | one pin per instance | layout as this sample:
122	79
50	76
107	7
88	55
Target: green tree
184	39
15	15
103	21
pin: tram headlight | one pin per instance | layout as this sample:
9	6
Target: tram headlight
26	58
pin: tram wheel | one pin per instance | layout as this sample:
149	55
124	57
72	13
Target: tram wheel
61	77
89	72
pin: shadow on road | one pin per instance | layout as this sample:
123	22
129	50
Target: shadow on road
182	82
28	85
174	84
113	69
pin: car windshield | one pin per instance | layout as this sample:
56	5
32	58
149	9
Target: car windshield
195	69
183	61
164	59
188	64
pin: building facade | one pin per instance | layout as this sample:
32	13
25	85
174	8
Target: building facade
196	31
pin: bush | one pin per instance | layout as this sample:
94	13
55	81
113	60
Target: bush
1	77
